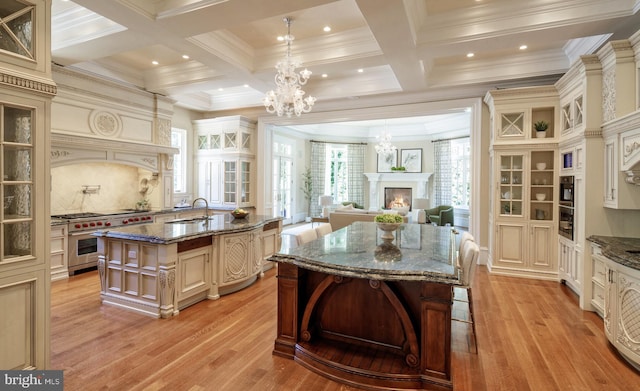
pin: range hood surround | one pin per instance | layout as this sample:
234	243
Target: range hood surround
627	129
74	149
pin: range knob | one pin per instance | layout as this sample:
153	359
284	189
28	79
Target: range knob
77	225
99	223
125	221
107	224
85	225
92	224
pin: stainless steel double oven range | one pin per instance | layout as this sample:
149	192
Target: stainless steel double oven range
566	207
83	246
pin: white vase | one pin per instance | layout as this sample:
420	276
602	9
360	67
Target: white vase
541	134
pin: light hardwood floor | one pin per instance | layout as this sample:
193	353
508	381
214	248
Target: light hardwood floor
531	336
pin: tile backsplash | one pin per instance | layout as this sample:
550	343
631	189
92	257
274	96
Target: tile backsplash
119	188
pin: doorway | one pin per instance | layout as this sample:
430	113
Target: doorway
283	181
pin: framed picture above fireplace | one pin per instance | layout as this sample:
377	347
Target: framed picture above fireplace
411	159
387	160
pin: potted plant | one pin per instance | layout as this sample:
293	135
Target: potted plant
307	189
541	129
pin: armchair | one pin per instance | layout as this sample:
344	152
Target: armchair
441	215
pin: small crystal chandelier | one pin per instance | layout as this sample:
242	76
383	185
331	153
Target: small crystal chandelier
385	146
288	96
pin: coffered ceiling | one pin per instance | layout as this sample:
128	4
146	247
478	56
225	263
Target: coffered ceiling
402	47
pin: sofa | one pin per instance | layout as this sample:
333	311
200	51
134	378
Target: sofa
341	218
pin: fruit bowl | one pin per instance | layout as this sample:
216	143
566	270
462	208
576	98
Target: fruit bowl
540	196
239	214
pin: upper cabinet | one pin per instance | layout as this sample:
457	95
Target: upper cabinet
24	46
25	108
524	114
226	161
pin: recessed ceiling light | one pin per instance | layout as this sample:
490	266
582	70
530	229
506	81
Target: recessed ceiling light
280	38
185	56
154	62
246	86
220	89
326	29
470	55
324	75
360	70
523	47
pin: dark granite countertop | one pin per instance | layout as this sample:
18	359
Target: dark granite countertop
625	251
165	233
419	252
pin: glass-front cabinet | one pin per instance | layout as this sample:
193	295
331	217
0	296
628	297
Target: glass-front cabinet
225	159
17	182
25	118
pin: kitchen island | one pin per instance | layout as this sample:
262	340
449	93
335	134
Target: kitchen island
160	268
370	313
616	281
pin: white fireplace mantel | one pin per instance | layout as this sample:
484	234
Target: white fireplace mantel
421	180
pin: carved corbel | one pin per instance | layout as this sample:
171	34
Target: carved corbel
633	177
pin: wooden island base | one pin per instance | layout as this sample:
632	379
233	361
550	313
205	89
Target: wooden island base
372	334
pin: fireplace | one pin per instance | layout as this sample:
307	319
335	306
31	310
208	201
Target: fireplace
397	197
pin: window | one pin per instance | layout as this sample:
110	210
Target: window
460	172
336	173
179	140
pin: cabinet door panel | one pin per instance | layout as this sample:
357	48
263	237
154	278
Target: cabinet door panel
541	256
511	244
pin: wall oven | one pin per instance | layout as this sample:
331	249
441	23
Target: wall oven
566	207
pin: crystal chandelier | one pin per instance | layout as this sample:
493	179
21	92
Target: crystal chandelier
288	98
385	146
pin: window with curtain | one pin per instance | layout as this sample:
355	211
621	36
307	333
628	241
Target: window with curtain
337	170
452	174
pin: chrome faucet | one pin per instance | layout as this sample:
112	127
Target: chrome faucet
206	203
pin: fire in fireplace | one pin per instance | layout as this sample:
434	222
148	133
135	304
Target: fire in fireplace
397	197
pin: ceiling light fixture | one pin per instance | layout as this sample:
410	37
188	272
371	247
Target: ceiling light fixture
288	99
384	146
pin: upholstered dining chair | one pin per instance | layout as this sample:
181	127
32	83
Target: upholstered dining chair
463	239
323	229
470	254
306	236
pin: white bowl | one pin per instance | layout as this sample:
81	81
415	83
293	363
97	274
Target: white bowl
541	166
540	196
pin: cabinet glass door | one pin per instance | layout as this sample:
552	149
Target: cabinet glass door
230	182
245	185
511	183
17	184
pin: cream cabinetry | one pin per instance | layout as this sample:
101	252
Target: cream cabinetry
618	194
59	258
226	161
570	264
621	306
523	215
25	127
193	276
271	242
599	276
240	260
